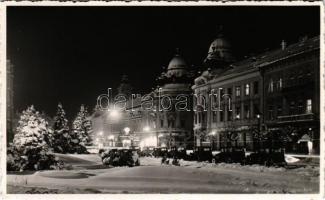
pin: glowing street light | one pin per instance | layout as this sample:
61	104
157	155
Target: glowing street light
114	114
146	129
111	137
126	130
213	133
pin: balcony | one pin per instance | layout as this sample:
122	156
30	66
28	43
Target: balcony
296	118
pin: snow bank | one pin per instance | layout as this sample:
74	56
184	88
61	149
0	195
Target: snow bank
291	159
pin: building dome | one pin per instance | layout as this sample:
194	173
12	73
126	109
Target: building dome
220	49
177	67
177	63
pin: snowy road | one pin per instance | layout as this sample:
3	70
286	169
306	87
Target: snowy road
151	177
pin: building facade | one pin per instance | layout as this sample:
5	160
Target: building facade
272	95
153	119
269	100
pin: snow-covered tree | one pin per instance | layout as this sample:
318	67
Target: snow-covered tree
61	135
81	131
30	148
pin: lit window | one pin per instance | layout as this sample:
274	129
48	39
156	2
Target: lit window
271	86
247	89
237	91
280	83
309	106
237	112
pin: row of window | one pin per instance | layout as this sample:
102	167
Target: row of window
229	114
238	90
299	107
277	84
171	123
295	108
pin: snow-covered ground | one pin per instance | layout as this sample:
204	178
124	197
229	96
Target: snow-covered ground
87	175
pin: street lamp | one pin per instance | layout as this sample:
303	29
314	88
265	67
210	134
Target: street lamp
126	130
146	129
114	114
258	116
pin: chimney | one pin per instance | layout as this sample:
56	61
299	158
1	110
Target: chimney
283	45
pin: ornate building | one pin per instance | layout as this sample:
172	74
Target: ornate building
275	92
153	119
175	124
235	103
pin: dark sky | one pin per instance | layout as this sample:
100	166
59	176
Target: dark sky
73	54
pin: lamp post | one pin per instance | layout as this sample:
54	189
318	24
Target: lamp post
258	116
212	134
127	131
113	114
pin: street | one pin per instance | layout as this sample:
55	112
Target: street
88	176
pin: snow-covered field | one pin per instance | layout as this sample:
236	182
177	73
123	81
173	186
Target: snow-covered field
87	175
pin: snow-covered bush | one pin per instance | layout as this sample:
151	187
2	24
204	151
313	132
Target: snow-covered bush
81	132
30	149
61	135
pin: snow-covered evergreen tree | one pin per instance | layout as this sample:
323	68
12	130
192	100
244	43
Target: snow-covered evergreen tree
30	148
62	138
82	131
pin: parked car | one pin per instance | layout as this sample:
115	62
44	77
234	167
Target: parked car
203	154
267	158
230	155
189	155
147	151
159	151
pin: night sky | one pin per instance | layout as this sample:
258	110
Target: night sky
73	54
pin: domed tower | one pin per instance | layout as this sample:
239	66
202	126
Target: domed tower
175	125
177	72
125	87
220	53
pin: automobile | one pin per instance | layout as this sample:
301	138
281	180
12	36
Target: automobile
189	155
159	151
203	154
181	153
230	155
147	151
267	158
